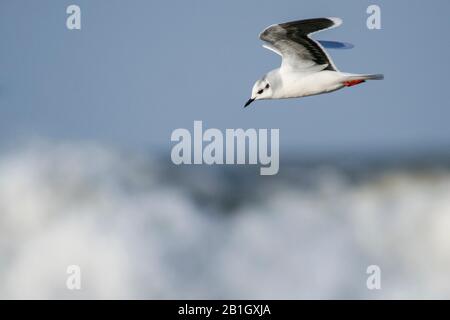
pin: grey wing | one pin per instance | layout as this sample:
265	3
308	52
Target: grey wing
291	40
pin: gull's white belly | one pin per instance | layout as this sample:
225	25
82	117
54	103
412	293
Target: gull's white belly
296	84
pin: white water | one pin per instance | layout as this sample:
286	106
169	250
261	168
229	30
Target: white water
140	228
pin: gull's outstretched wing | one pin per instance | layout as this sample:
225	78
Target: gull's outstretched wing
335	44
291	40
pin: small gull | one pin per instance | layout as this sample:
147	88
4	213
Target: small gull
306	69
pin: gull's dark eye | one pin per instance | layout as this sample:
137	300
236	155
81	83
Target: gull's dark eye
260	91
267	86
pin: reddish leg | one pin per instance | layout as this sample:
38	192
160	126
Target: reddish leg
352	83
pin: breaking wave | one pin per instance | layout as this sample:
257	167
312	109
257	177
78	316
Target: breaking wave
140	227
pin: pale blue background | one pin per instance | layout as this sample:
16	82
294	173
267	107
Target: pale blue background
139	69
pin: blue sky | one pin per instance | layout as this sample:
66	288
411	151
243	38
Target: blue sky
140	69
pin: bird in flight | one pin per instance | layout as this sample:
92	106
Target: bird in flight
306	69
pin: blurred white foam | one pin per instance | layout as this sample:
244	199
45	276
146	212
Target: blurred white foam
138	232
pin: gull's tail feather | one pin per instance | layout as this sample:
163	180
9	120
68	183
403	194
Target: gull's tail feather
378	76
354	79
365	77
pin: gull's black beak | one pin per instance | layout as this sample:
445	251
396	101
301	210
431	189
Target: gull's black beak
248	102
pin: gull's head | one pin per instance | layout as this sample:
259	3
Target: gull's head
261	90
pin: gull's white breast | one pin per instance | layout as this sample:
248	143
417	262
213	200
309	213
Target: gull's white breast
296	84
